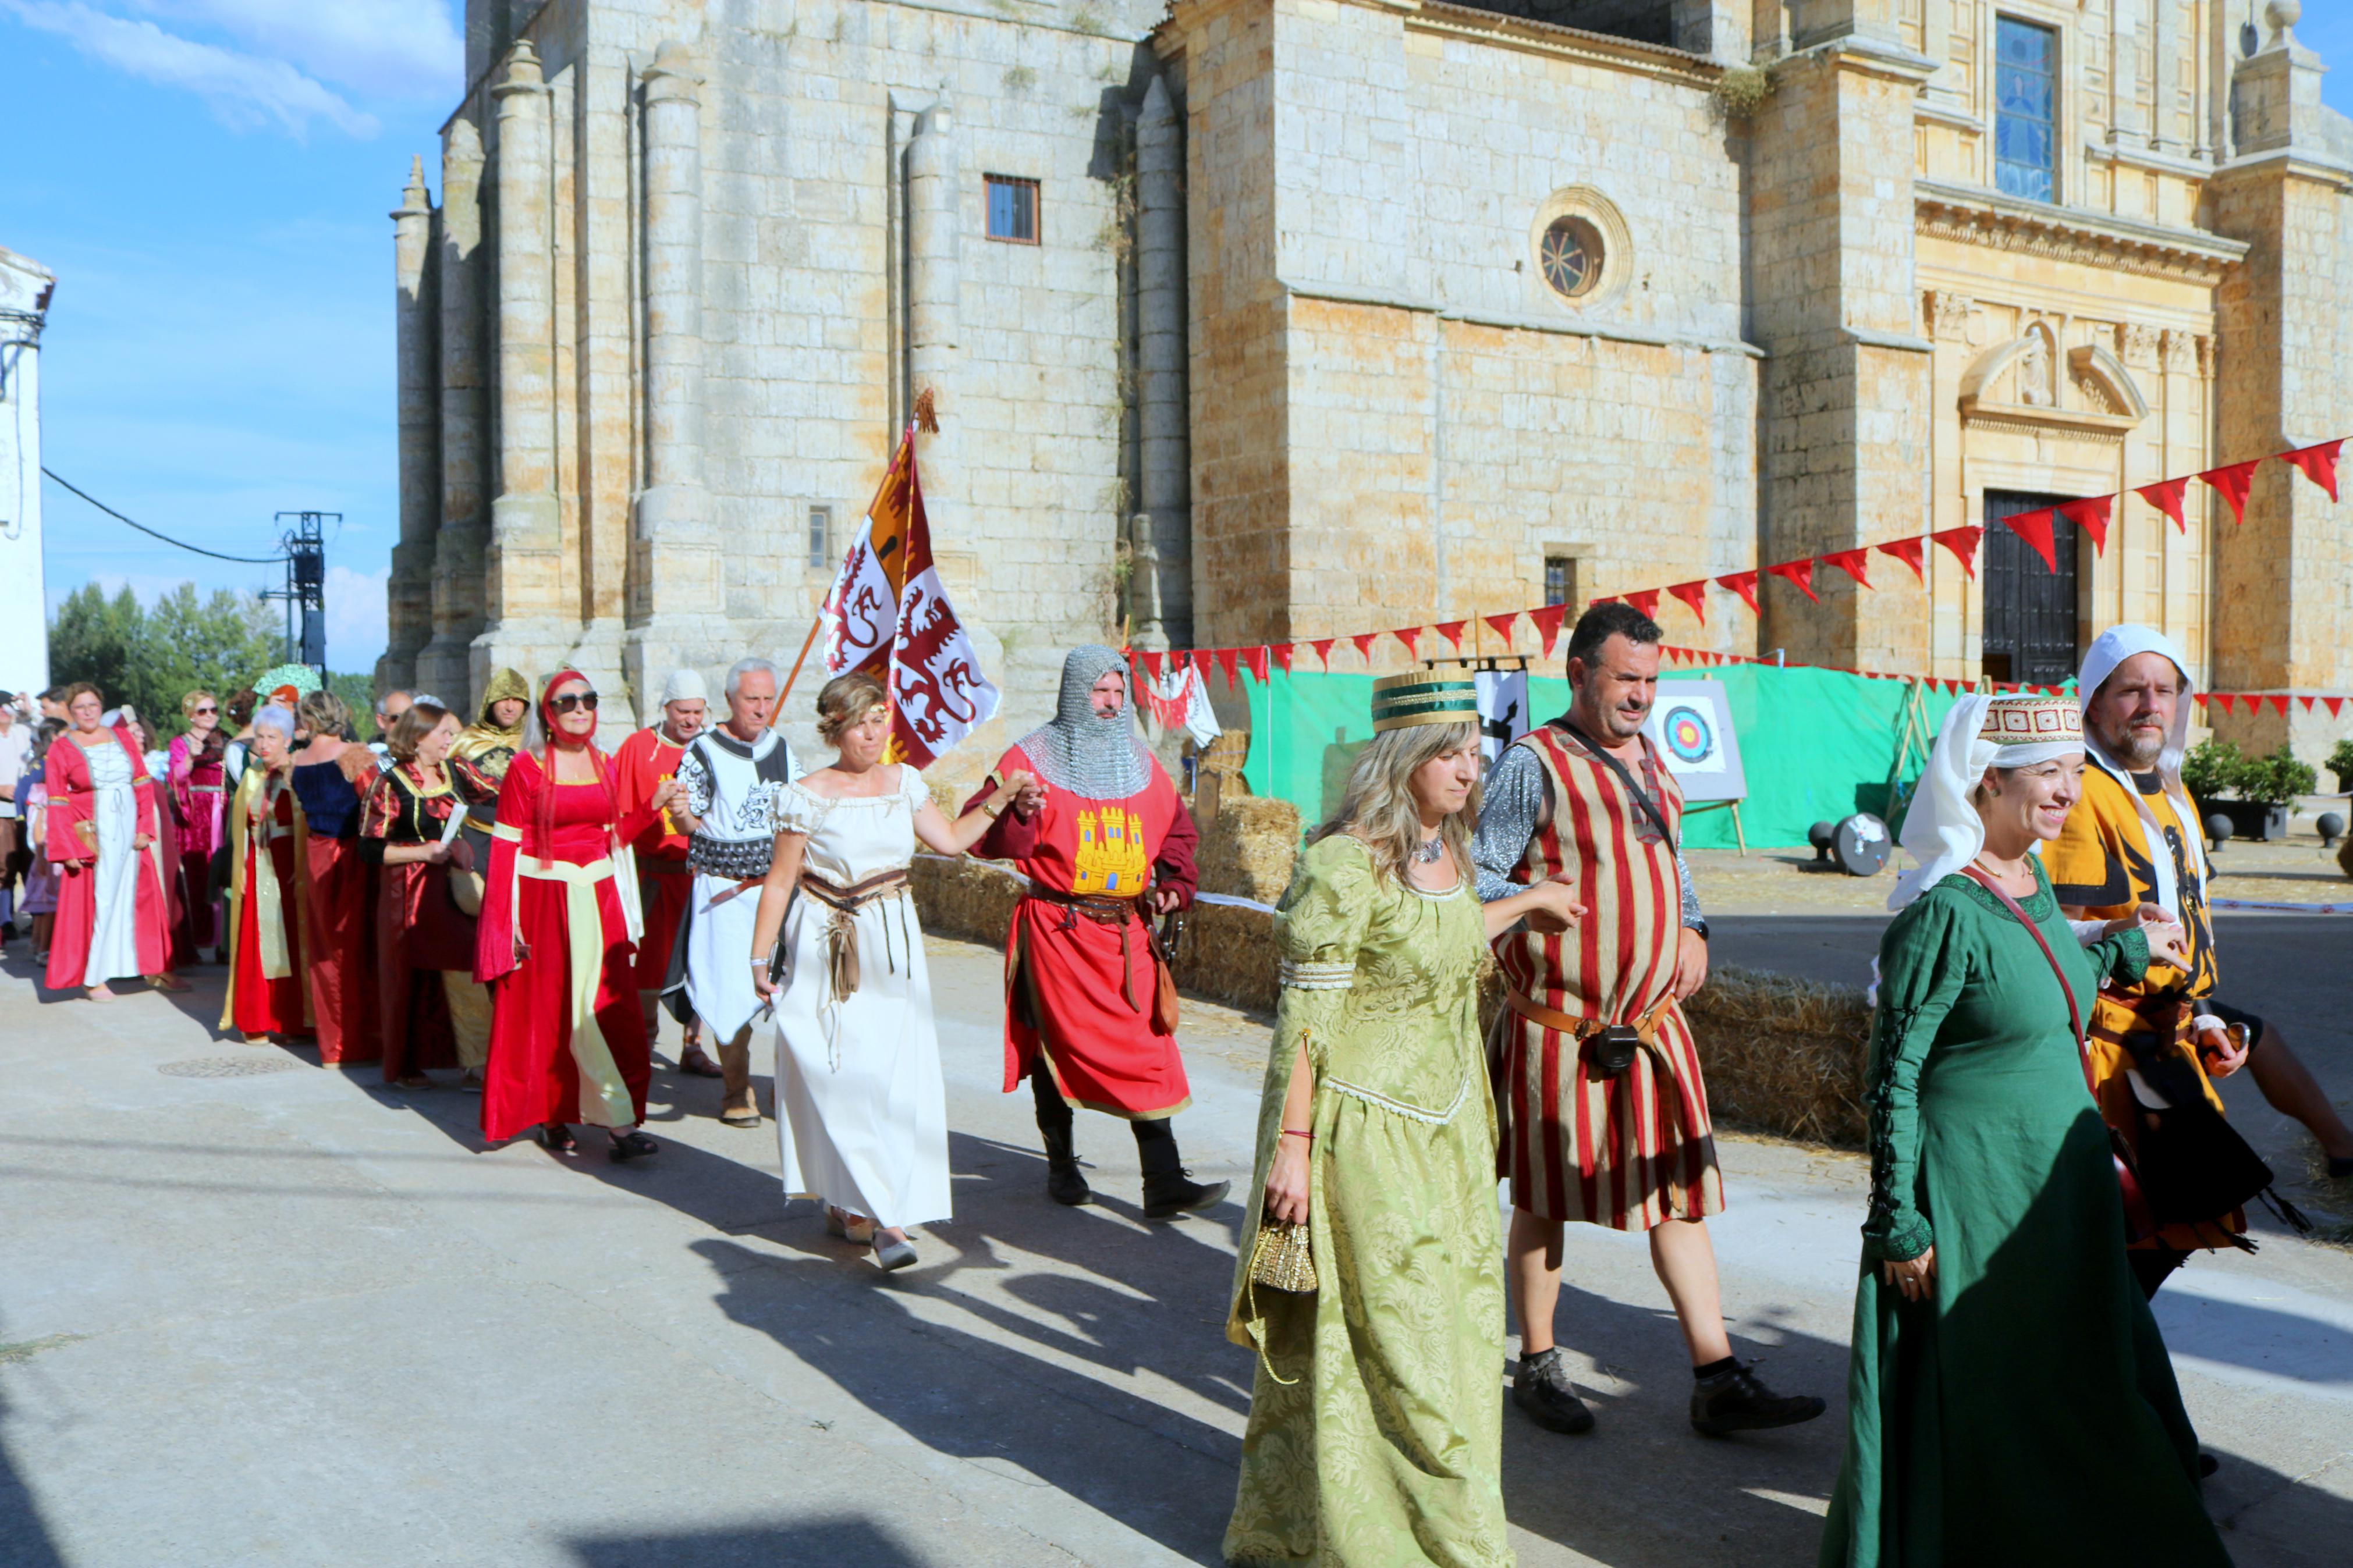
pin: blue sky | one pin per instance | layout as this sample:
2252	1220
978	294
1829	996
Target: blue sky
209	179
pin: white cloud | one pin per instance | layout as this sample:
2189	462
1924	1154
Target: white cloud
244	90
402	47
356	632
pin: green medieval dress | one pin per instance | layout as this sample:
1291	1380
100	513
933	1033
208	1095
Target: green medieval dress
1376	1424
2027	1414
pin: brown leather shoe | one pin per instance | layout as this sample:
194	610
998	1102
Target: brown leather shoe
739	1107
694	1060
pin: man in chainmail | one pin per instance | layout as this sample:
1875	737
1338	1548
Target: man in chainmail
1105	844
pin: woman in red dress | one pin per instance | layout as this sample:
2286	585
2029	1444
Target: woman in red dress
199	794
267	890
330	773
434	1012
555	940
113	921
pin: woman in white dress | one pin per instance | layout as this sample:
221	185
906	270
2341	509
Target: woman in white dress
861	1110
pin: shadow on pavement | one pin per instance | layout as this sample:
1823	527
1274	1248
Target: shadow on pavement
2273	1520
803	1543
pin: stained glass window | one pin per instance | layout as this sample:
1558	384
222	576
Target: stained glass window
1571	257
2025	127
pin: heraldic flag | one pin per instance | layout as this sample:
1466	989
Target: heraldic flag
888	614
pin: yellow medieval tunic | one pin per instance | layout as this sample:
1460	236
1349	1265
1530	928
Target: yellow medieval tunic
1375	1431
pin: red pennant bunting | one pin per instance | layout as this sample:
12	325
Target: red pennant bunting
2306	700
1408	635
1692	596
1800	572
1547	621
1150	662
1322	647
1909	552
2201	698
1364	641
1743	584
1851	561
2166	496
1645	602
1226	663
2222	700
1963	542
2035	527
2232	483
1283	652
2091	515
2279	705
2318	463
1504	625
1453	632
2333	704
1254	660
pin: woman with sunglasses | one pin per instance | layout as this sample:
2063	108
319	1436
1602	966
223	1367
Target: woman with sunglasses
555	940
199	783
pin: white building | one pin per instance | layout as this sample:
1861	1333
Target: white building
25	290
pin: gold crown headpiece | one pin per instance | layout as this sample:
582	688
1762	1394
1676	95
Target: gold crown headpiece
1422	697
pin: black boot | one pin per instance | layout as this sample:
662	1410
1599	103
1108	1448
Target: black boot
1542	1388
1735	1401
1063	1182
1168	1191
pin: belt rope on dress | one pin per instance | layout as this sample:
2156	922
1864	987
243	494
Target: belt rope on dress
841	966
1646	1030
1105	910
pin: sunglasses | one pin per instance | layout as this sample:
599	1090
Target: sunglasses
201	711
571	700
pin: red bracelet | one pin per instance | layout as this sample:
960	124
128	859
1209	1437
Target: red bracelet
1295	1133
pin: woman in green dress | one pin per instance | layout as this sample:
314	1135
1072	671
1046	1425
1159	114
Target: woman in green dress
1375	1434
2010	1399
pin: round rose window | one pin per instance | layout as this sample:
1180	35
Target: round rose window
1571	255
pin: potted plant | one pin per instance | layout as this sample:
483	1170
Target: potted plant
2211	770
2340	762
2267	789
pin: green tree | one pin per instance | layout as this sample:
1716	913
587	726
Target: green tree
95	638
150	659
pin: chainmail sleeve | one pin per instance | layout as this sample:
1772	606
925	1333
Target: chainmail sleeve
1511	808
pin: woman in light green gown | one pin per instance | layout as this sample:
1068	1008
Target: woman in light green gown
1376	1422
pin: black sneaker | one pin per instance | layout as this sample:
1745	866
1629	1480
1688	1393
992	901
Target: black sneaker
1543	1390
1065	1185
1735	1401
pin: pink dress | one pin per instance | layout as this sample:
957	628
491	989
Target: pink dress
199	794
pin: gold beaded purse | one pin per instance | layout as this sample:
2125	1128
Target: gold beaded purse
1283	1258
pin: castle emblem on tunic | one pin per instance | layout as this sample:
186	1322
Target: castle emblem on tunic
1111	856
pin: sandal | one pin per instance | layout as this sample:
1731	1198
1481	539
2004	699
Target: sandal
557	1139
633	1145
697	1062
168	983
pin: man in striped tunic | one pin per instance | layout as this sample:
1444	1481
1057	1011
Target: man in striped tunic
1599	1082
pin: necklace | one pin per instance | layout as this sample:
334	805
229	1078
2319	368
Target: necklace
1431	850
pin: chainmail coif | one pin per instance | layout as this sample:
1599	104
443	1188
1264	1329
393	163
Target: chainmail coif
1094	757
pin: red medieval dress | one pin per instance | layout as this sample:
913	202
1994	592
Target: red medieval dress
1079	978
112	919
339	907
420	932
554	943
268	889
199	795
641	763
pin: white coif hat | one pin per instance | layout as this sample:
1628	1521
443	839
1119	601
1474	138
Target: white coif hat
1942	829
684	686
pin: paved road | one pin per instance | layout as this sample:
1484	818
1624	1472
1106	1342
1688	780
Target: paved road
292	1317
2296	971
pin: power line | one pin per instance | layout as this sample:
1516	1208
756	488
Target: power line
198	549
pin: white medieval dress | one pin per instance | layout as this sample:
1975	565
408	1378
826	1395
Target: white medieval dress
862	1112
729	786
114	930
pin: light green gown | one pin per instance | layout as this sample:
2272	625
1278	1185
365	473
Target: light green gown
1386	1447
2026	1416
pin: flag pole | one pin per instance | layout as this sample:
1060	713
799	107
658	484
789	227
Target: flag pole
810	641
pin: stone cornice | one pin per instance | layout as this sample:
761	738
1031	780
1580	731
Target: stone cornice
1995	222
2287	162
1552	39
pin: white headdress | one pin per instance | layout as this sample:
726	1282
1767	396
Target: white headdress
684	686
2111	649
1942	829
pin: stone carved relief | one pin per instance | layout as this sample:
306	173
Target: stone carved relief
2037	384
2137	345
1948	315
2179	350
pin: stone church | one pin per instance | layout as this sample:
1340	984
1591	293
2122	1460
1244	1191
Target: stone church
1256	321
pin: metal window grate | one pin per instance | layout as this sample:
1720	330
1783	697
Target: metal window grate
821	537
2031	612
1559	579
1012	209
2025	131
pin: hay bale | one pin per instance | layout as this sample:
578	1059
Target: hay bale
1783	1055
970	899
1246	851
1228	955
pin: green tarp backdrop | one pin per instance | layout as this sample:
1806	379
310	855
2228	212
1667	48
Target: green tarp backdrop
1817	744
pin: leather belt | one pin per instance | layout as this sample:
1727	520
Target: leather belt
842	928
1646	1026
855	896
1104	910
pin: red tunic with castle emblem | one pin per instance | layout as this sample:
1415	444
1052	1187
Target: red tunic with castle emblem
1078	991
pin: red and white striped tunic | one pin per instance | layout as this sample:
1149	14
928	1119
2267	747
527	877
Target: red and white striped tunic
1625	1153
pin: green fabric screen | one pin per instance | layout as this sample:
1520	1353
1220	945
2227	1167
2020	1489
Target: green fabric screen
1817	744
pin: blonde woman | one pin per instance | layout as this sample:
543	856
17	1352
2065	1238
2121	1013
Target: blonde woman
861	1110
1375	1423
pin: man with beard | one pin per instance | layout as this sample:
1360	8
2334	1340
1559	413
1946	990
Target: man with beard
641	763
1598	1086
2134	841
1105	844
727	779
